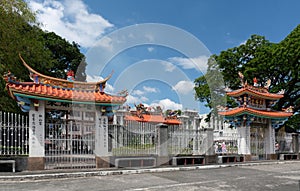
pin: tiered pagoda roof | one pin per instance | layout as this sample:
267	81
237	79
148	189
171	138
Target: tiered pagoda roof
60	90
255	102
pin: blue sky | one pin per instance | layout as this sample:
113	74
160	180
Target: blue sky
157	63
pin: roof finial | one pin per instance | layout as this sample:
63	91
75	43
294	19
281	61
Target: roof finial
255	82
70	76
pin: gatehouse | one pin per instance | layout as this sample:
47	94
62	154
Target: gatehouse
255	120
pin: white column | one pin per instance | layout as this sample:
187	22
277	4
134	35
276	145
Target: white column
101	136
270	138
37	129
243	140
195	138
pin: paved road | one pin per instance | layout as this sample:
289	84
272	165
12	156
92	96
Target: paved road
257	177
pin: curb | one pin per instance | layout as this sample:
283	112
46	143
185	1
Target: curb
45	175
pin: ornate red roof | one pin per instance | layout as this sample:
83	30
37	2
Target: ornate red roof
261	113
255	91
55	89
46	92
152	118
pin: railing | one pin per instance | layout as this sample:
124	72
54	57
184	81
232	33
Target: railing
183	141
226	143
139	139
136	138
14	134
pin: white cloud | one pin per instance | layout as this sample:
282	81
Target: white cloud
150	49
108	88
105	43
93	78
144	99
198	63
168	66
137	92
244	42
138	96
136	99
146	89
184	87
132	99
167	104
71	20
150	89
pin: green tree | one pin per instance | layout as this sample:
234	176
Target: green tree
65	56
45	52
19	7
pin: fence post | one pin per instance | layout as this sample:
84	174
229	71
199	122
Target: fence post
162	144
295	143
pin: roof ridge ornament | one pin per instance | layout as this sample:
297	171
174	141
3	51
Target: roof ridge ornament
241	76
281	92
268	84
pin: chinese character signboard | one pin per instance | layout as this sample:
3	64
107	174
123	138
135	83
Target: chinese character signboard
101	137
36	130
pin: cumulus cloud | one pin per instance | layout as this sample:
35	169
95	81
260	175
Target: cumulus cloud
137	92
169	67
105	42
198	63
167	104
71	20
184	87
131	99
90	78
108	87
138	96
150	89
146	89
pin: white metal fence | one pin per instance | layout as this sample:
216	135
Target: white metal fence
13	134
139	138
186	141
133	139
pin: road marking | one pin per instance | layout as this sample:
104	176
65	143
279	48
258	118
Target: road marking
173	185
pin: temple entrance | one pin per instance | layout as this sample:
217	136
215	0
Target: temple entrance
257	143
69	146
69	138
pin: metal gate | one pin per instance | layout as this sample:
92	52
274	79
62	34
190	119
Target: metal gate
257	143
70	145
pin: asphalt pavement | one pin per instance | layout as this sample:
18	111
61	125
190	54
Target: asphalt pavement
76	173
256	176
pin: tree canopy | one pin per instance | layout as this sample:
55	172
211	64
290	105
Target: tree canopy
44	51
260	58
